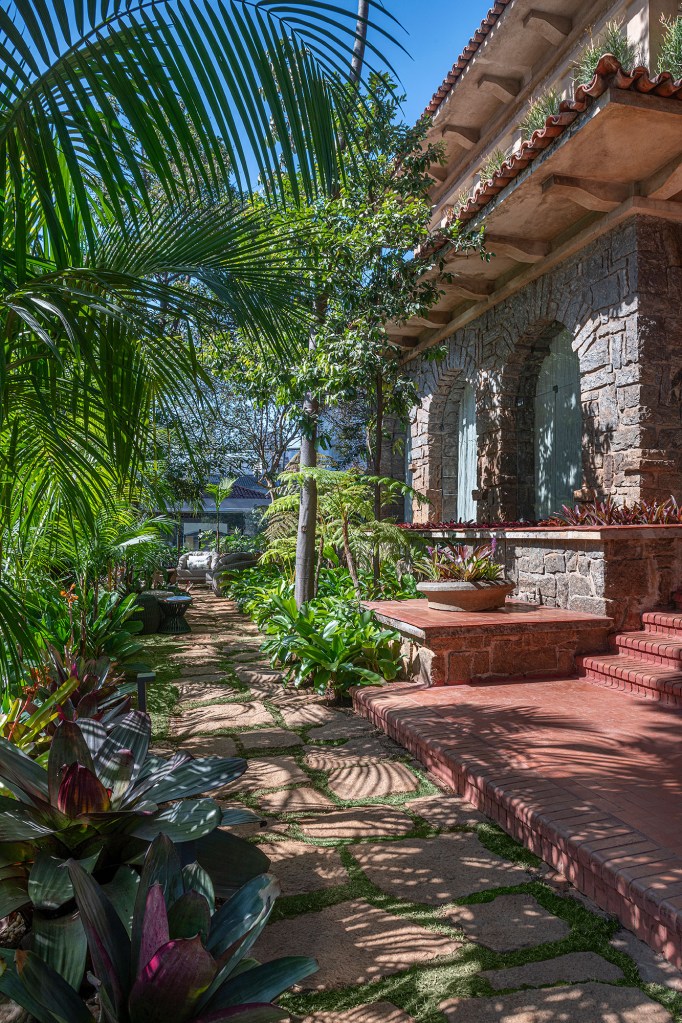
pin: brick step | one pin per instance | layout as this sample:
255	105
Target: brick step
652	648
662	623
631	674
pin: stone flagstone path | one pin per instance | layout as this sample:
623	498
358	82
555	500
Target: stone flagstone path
417	908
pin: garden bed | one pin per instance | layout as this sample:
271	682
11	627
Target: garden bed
618	571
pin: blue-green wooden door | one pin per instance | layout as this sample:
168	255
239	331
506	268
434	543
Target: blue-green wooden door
558	428
467	462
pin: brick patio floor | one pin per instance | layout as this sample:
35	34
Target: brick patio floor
417	907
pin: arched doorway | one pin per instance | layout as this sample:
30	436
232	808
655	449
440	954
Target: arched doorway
558	428
467	462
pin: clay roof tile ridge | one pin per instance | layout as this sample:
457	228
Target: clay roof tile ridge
609	73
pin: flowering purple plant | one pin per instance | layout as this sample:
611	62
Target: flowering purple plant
455	561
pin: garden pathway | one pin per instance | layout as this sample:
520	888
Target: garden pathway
417	908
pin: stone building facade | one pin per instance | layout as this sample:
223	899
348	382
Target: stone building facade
619	301
562	373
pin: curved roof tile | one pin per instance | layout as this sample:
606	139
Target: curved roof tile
465	56
609	73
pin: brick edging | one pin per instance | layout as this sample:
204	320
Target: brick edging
603	857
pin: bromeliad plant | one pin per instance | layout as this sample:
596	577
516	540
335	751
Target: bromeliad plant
453	561
179	960
611	513
102	799
329	644
96	690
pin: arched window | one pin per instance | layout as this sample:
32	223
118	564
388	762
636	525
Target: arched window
558	428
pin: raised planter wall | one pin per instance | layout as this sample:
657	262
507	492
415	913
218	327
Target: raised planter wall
618	571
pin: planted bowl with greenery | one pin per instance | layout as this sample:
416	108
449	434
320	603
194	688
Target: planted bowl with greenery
461	579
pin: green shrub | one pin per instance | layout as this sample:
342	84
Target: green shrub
492	164
612	40
328	644
670	57
545	106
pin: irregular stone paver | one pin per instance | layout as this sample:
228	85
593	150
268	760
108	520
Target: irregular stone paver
200	668
211	746
274	738
303	868
273	773
436	871
368	749
301	717
372	781
443	811
204	679
379	1012
653	968
583	1003
342	727
353	942
294	800
359	823
569	968
200	692
508	923
224	715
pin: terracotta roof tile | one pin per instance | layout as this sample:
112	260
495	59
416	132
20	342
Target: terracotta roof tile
465	56
609	74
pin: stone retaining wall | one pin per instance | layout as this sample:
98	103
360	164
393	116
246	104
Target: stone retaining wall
618	571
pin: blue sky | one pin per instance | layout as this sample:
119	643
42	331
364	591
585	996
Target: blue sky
436	32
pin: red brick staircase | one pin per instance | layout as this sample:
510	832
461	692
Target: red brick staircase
648	663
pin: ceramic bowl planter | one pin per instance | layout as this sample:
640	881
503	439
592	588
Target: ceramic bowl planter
454	595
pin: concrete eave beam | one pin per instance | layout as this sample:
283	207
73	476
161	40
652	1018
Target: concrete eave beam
504	89
666	182
464	137
552	27
598	196
520	249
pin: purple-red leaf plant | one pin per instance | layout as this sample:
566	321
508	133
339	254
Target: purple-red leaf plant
180	961
102	799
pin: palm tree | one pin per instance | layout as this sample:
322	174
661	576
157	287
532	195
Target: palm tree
99	98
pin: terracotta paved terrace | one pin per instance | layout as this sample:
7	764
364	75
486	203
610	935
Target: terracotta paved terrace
417	907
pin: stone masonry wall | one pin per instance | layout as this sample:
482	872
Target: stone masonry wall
620	301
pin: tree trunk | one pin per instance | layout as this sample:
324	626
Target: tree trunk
360	42
378	446
304	586
350	560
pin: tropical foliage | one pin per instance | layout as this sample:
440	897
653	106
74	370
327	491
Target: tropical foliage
348	528
100	800
327	644
610	512
173	958
449	560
